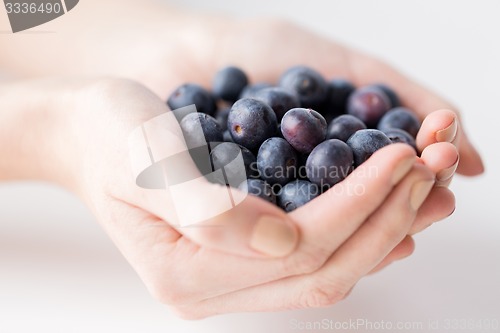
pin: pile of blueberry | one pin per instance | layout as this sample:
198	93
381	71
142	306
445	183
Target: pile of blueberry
297	138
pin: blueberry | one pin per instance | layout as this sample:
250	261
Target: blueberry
228	83
252	89
277	161
221	116
366	142
279	99
329	163
190	126
190	93
399	135
225	153
393	97
297	193
343	127
401	118
303	128
339	91
226	136
368	104
259	188
251	122
309	86
279	133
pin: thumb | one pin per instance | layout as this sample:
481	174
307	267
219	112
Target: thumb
200	206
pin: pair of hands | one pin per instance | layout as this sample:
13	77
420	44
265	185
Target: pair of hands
253	257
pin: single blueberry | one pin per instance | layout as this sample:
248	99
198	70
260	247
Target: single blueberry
279	99
277	161
329	163
229	82
224	156
366	142
343	127
259	188
393	97
297	193
251	90
368	104
398	135
221	116
226	136
401	118
191	124
307	84
339	91
251	122
189	94
303	128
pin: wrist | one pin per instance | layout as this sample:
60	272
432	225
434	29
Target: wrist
32	132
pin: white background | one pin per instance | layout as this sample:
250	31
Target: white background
60	273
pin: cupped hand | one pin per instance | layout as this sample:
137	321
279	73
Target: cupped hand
252	257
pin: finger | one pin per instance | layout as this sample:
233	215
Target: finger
438	126
328	220
403	250
386	228
439	205
442	158
366	70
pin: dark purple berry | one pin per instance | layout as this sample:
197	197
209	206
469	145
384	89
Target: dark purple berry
251	122
277	161
393	97
307	84
190	93
303	128
297	193
228	83
225	157
251	90
401	118
366	142
343	127
339	91
368	104
279	99
398	135
200	128
221	116
226	136
259	188
329	163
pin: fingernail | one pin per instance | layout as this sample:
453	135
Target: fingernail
402	169
273	236
447	173
449	133
419	193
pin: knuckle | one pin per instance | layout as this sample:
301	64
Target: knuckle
306	261
323	294
112	91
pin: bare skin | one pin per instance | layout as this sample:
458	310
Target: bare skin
74	132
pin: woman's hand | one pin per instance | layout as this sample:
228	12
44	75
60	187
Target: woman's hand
231	262
253	257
